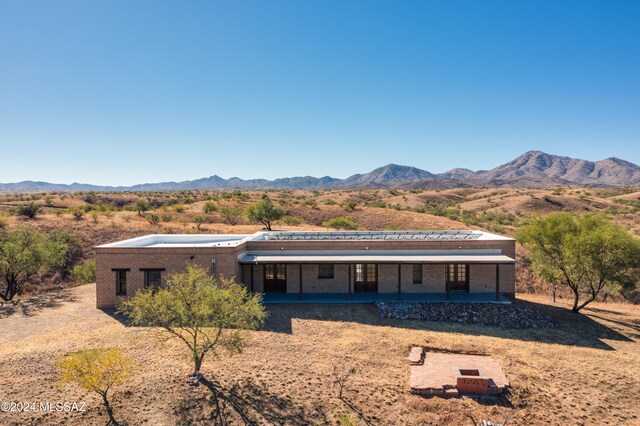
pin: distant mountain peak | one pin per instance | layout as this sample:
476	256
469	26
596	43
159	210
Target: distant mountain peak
533	168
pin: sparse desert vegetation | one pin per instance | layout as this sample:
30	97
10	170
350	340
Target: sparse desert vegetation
287	372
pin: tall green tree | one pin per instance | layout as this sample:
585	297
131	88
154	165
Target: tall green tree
264	212
23	253
586	253
207	315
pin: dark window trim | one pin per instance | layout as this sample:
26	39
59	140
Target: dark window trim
327	277
413	273
120	269
119	291
146	276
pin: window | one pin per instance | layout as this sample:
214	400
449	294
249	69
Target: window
359	272
371	273
152	278
121	282
269	272
281	271
325	270
417	273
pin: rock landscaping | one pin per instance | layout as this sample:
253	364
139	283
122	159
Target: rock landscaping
512	315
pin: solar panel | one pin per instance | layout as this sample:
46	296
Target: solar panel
375	235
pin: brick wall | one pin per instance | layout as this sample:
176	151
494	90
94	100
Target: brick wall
175	259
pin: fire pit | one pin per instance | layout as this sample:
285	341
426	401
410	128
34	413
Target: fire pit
455	374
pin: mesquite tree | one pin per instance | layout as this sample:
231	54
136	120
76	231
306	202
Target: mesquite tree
264	212
23	253
586	253
204	313
97	370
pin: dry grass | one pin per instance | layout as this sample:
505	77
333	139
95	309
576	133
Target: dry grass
583	372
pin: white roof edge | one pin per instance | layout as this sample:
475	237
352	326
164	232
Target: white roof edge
236	239
148	241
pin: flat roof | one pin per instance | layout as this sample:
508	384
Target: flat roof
181	240
375	256
232	240
382	235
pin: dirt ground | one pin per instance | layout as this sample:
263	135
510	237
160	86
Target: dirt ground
583	372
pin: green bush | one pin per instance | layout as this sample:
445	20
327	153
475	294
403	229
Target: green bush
84	273
209	207
291	221
30	210
153	218
340	223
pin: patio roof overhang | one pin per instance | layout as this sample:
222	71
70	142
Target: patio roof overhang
367	256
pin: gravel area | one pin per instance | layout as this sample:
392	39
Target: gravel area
511	315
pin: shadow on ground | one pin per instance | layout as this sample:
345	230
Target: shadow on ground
572	329
246	403
32	305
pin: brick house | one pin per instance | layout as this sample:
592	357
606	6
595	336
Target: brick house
320	266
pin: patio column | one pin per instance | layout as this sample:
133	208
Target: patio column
349	283
300	279
497	281
399	282
251	277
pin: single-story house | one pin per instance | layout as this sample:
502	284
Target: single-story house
300	265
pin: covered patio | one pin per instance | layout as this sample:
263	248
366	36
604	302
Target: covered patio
274	298
299	279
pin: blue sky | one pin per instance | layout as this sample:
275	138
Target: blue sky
124	92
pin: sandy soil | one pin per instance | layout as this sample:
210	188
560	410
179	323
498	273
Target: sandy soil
583	372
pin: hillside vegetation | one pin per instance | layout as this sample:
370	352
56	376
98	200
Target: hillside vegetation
101	217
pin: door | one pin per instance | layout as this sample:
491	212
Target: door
275	278
365	278
458	277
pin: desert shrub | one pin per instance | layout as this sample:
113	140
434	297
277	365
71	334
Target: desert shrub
377	203
72	251
496	228
310	202
85	272
342	372
291	220
330	202
340	223
97	370
166	217
153	218
77	212
179	208
199	219
142	206
30	210
4	220
346	419
231	214
209	207
350	205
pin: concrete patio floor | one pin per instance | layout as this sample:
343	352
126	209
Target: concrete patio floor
270	298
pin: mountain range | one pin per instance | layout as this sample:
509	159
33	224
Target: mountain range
531	169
